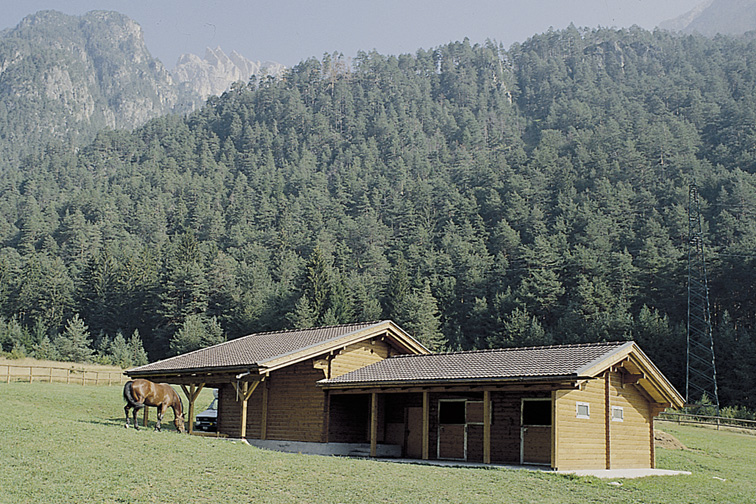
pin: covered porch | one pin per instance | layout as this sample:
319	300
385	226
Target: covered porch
477	423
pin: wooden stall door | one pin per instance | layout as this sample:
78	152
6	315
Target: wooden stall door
535	431
451	442
452	429
414	445
536	444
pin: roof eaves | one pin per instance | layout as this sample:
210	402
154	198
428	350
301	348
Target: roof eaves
660	381
195	370
589	367
333	383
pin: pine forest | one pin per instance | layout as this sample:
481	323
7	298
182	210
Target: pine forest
479	196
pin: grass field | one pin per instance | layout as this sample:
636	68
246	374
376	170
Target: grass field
66	443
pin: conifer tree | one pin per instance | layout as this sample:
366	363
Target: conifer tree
73	345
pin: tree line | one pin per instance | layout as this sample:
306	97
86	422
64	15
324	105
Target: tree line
479	196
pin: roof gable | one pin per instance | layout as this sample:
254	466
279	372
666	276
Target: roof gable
273	350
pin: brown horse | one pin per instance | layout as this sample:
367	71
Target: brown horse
141	393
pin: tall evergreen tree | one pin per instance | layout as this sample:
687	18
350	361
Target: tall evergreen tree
74	344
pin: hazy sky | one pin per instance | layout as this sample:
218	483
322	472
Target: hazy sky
291	31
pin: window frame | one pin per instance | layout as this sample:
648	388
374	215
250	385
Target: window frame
586	415
621	417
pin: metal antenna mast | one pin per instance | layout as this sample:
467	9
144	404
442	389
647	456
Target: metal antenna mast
701	376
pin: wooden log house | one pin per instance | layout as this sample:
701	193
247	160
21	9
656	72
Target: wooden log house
372	389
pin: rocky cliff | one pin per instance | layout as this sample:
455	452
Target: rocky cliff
712	17
63	78
214	74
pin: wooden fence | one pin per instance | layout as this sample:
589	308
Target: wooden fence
59	374
718	421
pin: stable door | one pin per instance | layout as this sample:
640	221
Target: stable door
535	431
460	429
452	429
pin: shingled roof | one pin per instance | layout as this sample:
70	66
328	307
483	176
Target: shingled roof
564	361
260	350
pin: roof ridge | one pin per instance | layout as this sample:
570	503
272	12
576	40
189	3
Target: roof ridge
314	328
515	349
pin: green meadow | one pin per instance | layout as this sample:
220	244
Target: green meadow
66	443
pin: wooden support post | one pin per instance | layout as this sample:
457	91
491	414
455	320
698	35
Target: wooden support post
608	419
192	394
244	392
426	425
554	431
486	427
245	388
264	419
373	424
653	448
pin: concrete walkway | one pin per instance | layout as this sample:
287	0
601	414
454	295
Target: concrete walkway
625	473
597	473
362	450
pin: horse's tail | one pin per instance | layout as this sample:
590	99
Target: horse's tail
128	394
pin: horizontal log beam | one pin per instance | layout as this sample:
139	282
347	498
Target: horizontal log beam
452	389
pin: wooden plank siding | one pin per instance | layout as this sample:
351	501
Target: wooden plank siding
230	412
295	404
505	425
600	442
349	422
295	407
357	356
581	441
630	438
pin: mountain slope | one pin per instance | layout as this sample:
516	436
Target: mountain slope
63	78
712	17
214	74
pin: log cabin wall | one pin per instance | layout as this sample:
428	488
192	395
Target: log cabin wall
350	419
630	435
295	404
581	442
229	412
609	438
356	356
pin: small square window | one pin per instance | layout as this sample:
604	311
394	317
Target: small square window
618	414
583	410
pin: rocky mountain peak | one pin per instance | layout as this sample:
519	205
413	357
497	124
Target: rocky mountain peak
712	17
214	74
63	78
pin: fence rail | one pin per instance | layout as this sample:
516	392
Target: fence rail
59	374
718	421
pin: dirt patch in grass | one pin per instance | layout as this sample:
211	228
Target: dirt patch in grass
665	440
